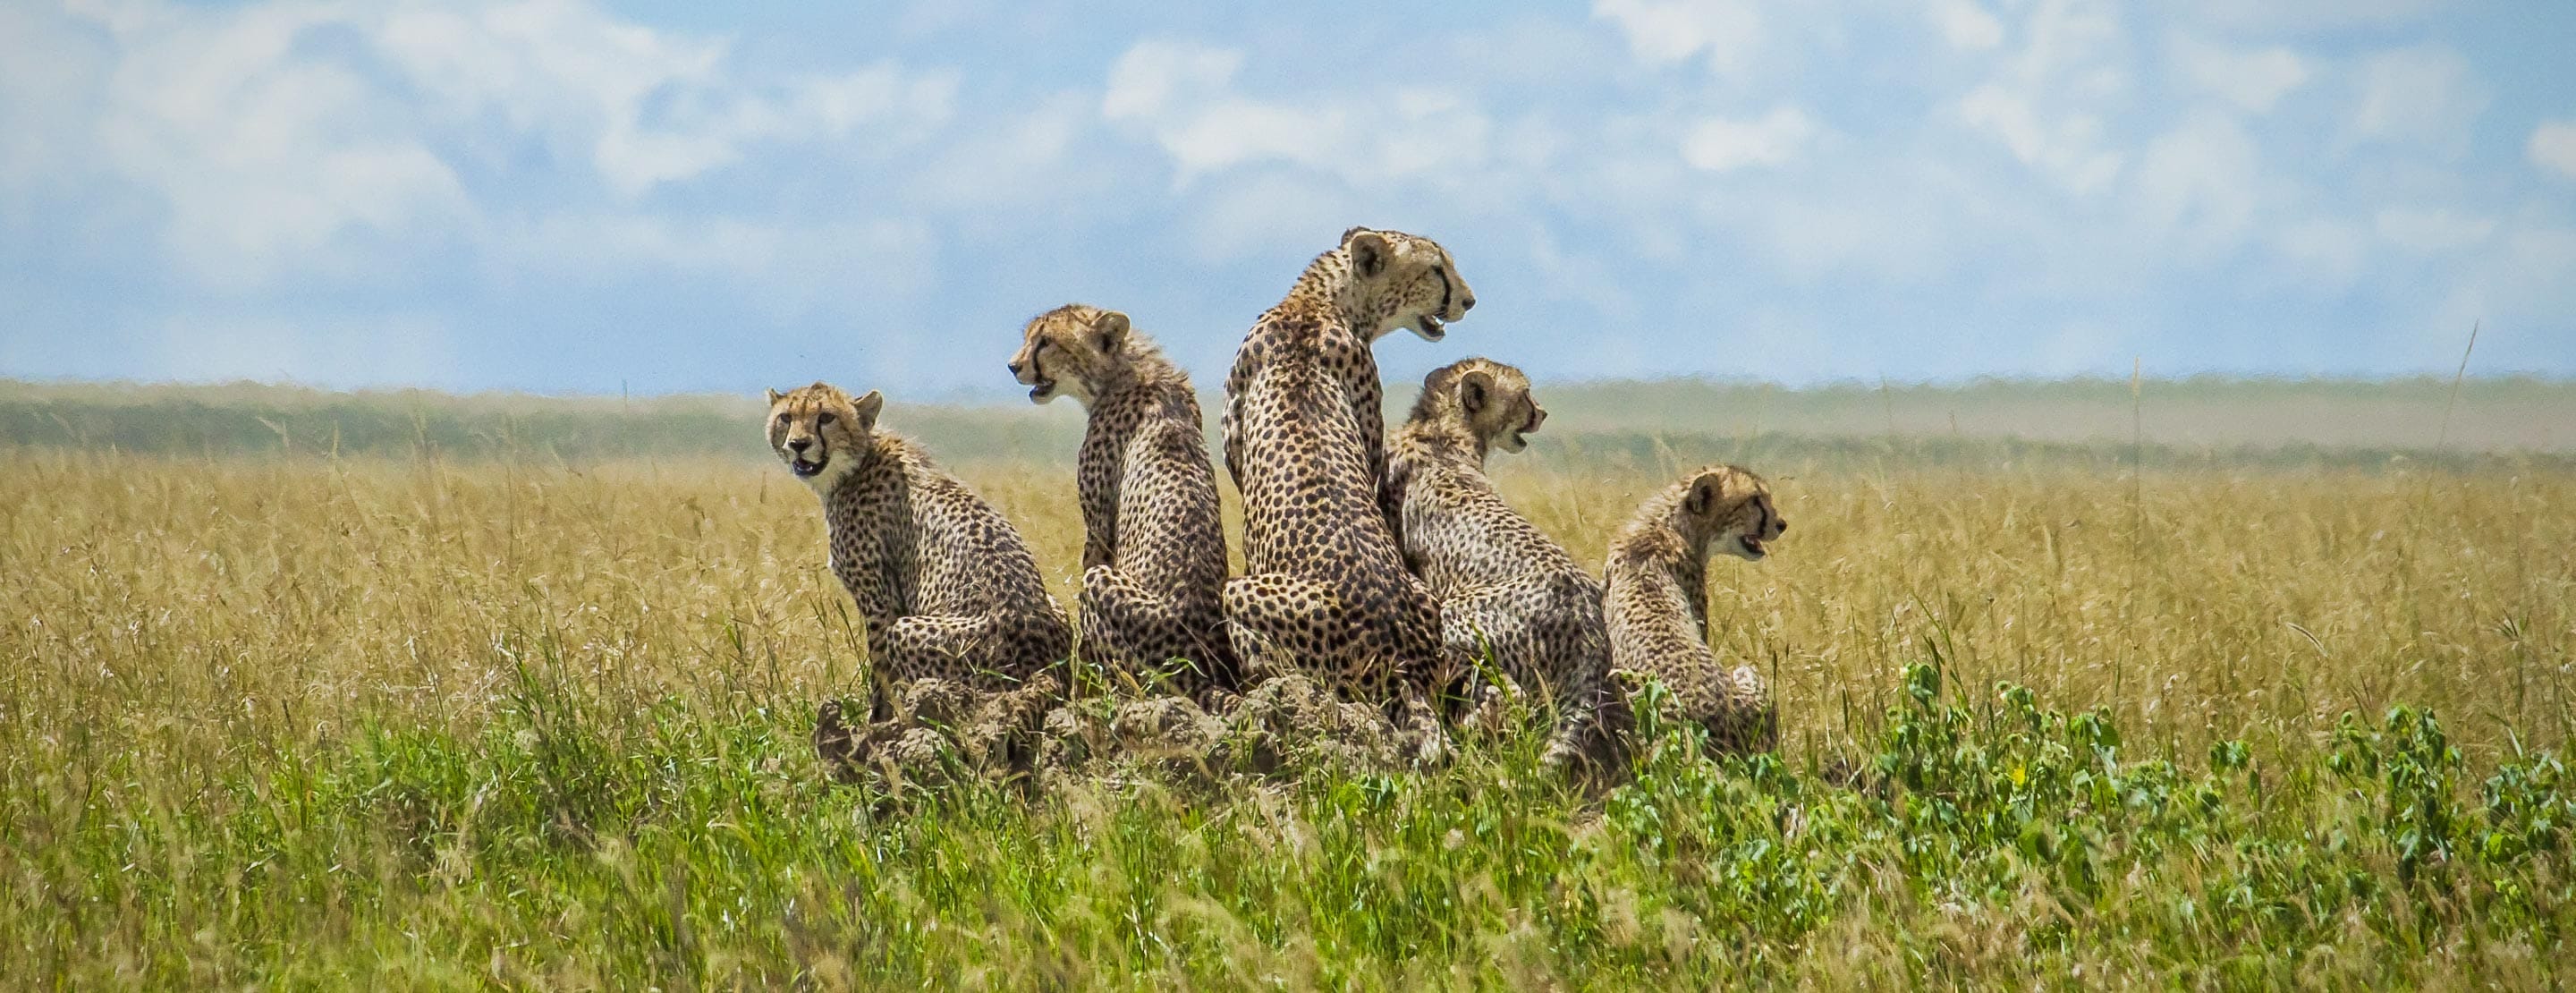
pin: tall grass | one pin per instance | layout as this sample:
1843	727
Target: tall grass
427	722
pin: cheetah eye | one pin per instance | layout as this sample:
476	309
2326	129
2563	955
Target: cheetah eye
782	419
823	419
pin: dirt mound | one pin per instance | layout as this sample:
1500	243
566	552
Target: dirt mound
938	730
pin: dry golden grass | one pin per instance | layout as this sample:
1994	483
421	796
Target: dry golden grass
299	720
296	594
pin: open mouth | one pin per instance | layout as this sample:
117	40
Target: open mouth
1431	328
1752	545
805	469
1520	440
1044	390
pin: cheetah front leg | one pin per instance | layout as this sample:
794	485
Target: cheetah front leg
1147	635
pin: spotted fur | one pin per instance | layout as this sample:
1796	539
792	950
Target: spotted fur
1507	592
1371	284
1325	589
1153	547
947	587
1656	605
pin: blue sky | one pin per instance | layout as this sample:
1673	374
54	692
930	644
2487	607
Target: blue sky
562	196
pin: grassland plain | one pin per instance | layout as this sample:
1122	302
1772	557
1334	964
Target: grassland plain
428	715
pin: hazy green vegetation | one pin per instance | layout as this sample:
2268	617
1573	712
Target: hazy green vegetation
2080	423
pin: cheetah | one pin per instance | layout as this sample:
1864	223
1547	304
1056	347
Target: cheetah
1371	284
1656	607
1506	590
1325	584
1153	547
947	587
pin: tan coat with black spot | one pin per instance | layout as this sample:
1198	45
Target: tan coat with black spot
947	587
1508	593
1325	589
1656	604
1153	546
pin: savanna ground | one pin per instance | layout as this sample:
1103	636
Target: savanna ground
402	692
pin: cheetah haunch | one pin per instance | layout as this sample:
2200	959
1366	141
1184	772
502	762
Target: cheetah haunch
1325	589
1153	547
948	589
1507	591
1656	605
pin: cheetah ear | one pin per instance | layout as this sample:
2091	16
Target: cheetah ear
1352	230
1475	389
1370	253
1705	493
1111	328
868	406
774	395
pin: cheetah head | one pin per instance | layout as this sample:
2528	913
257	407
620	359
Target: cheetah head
1728	509
1491	399
820	432
1403	281
1074	349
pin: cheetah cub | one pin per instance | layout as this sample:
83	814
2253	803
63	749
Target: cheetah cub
1656	606
948	589
1153	550
1507	591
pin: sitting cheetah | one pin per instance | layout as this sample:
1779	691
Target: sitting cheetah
1656	607
948	589
1153	550
1374	283
1506	590
1325	584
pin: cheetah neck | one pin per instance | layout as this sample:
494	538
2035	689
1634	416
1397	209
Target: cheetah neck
1141	377
1662	545
1328	290
1448	441
840	481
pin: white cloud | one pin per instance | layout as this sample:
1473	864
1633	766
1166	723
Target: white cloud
2253	79
2198	186
2426	96
2553	147
2431	230
2322	251
1777	138
1662	32
786	269
1182	96
1965	24
335	352
2047	101
2307	16
296	137
645	107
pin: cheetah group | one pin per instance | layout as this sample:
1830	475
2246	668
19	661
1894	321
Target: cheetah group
1383	574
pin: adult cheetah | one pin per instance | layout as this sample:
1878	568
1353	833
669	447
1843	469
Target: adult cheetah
948	588
1506	590
1656	605
1325	585
1153	549
1371	284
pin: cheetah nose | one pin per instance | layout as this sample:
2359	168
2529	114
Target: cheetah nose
799	445
1466	304
1015	368
1783	524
